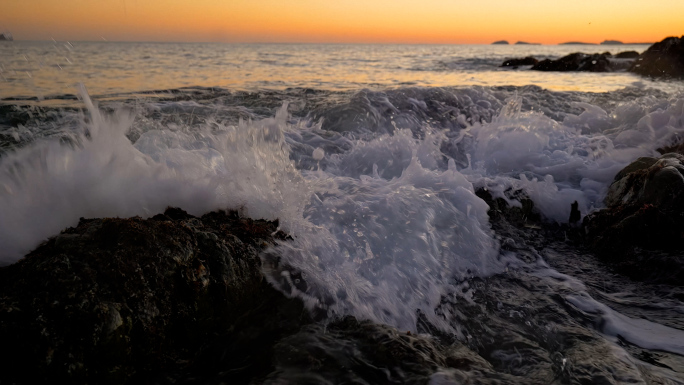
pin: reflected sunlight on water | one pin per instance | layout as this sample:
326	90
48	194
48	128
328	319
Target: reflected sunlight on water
48	69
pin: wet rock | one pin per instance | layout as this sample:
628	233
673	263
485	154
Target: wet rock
127	300
575	214
527	61
654	181
360	352
663	59
577	62
627	55
645	212
519	213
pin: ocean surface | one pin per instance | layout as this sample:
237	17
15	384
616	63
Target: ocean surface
369	155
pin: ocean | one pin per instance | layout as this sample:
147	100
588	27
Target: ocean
369	156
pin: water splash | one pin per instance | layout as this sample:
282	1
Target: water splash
47	186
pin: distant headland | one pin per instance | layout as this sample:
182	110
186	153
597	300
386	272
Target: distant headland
576	43
505	42
6	36
605	42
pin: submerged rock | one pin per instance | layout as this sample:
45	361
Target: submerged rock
577	62
645	212
627	55
663	59
527	61
123	300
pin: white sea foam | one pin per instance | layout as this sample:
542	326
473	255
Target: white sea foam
47	186
388	244
557	163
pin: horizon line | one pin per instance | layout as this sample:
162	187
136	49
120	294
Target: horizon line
103	40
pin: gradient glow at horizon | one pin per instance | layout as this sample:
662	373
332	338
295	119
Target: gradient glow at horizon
352	21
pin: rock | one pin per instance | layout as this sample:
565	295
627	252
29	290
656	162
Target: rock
501	42
627	55
523	215
577	62
129	300
575	214
644	219
528	61
650	181
663	59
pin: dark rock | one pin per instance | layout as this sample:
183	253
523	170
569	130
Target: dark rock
501	42
575	214
645	211
349	351
524	215
577	62
129	300
627	55
528	61
663	59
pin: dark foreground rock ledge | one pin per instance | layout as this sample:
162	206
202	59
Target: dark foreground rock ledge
123	300
177	299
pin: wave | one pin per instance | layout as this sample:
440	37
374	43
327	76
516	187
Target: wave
376	188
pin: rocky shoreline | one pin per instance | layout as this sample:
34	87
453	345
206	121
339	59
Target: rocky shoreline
664	59
182	299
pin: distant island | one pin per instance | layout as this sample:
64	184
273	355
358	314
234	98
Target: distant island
6	36
605	42
501	42
576	43
525	43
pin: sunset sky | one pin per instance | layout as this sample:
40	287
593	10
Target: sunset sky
355	21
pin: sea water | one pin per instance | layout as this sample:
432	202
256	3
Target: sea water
369	156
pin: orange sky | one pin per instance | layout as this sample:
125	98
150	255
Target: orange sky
367	21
